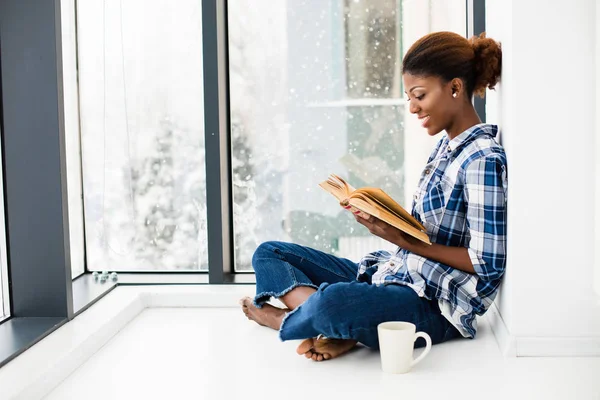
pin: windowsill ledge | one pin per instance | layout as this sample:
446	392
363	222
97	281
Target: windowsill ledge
38	370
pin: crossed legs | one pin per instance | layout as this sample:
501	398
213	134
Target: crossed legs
317	349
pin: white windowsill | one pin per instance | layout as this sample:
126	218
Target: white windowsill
38	370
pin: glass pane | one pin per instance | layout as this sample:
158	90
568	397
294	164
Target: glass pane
316	89
324	87
142	134
69	51
4	294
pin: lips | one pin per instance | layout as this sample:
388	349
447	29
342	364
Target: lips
424	120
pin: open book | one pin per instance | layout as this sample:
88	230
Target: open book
377	203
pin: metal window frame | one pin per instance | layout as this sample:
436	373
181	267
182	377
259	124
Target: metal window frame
33	162
475	26
43	295
219	200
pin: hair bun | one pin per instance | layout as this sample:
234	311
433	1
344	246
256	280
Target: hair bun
488	63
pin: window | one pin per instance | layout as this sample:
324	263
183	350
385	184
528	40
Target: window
72	138
142	134
4	294
315	88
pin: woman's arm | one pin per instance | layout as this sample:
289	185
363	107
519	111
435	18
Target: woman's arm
485	194
456	257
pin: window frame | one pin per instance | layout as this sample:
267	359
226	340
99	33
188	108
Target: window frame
31	111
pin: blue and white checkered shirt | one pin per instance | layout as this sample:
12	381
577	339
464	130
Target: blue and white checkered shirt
461	201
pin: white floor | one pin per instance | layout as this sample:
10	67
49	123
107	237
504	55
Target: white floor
215	353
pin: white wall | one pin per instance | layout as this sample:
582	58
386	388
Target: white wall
597	154
546	112
500	111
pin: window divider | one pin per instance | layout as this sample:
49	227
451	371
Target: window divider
33	157
475	26
219	203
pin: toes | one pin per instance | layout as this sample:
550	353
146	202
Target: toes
315	357
245	302
305	346
308	354
326	356
320	357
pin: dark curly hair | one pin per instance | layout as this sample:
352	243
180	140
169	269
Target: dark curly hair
477	61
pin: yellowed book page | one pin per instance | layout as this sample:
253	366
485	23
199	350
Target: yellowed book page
386	216
349	187
337	187
384	199
376	203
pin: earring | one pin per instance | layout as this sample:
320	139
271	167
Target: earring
454	95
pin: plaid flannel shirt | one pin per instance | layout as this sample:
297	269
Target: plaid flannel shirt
461	201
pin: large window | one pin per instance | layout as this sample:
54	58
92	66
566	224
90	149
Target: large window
142	134
315	88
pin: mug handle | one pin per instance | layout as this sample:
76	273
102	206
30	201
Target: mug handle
427	347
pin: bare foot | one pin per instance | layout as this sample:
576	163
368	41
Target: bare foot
268	315
320	349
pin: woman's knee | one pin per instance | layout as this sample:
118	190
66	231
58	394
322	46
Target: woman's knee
328	302
265	251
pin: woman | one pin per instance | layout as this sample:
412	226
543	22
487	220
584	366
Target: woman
332	302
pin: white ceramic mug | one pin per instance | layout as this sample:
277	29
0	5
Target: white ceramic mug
396	344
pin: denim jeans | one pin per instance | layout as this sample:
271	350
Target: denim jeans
342	307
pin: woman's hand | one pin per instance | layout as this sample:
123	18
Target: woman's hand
384	230
456	257
380	228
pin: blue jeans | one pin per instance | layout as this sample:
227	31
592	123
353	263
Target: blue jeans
342	307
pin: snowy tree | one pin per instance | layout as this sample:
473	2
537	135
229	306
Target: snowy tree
168	215
258	124
245	212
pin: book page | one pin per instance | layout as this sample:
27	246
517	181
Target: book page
337	187
377	203
387	202
362	203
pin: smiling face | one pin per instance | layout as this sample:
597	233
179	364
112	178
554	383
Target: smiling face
432	100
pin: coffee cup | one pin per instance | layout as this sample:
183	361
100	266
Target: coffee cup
396	345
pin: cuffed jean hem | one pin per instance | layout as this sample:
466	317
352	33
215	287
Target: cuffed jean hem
261	298
283	322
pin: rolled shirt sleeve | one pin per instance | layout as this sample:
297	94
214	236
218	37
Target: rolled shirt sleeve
485	194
